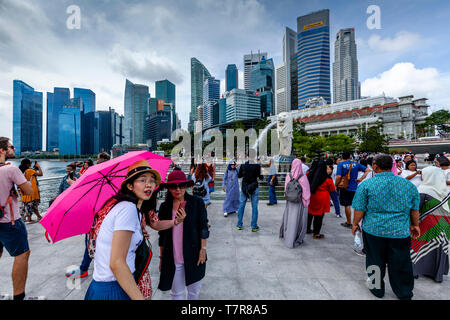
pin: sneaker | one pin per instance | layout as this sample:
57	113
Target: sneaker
239	228
270	204
76	273
338	216
225	214
359	251
255	229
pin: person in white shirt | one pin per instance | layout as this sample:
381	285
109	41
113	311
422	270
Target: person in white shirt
412	174
444	164
119	232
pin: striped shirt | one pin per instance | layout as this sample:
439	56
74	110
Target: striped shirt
387	201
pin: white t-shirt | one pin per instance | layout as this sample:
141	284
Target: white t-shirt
417	180
123	216
304	168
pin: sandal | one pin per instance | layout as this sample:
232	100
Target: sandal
318	236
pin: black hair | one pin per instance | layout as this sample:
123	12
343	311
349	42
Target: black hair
24	165
443	161
329	162
4	143
369	161
346	155
363	162
383	161
409	163
89	162
317	175
104	155
303	159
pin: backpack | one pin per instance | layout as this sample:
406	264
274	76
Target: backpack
199	189
294	190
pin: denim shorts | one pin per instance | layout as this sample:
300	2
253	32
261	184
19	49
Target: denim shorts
14	238
111	290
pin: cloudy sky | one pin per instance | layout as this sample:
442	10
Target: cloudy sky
147	40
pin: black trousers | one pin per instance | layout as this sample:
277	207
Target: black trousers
316	221
395	253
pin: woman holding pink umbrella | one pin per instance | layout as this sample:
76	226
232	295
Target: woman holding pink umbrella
118	233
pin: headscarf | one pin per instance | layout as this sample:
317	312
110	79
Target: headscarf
230	163
434	184
296	171
317	176
394	167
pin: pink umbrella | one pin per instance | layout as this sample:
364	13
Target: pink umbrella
72	212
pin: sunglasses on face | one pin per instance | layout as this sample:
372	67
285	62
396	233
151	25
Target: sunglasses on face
177	186
12	147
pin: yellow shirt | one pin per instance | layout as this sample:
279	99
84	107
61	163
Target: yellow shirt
31	174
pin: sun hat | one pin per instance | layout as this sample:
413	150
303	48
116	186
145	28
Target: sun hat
177	177
139	167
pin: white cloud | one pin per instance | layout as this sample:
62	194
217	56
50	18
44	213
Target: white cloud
402	41
405	79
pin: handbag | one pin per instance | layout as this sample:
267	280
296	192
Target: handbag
143	258
343	184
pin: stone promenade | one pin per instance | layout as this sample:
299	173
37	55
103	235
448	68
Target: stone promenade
241	265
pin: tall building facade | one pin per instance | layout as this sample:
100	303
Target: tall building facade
242	105
69	128
231	77
55	102
222	110
105	130
118	122
87	97
135	109
198	75
313	59
157	128
165	90
211	94
346	86
280	89
251	60
262	82
27	118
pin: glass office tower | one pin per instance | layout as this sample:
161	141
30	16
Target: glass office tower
165	90
27	118
69	128
88	98
198	75
262	82
211	94
55	102
313	58
135	106
231	77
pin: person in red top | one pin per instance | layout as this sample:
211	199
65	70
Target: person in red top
321	185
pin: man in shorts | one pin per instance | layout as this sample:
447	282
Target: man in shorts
346	195
13	233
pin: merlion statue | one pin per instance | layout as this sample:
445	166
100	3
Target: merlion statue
284	130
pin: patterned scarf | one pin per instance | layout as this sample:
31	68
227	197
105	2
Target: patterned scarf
144	285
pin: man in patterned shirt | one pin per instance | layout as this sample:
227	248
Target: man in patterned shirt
390	207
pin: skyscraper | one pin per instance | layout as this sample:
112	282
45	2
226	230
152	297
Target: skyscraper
55	102
222	110
231	77
87	97
157	128
242	105
118	122
283	72
251	60
27	117
211	94
198	74
346	86
313	59
165	90
69	127
135	106
262	81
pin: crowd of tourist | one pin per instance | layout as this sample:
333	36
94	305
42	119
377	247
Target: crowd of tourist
400	218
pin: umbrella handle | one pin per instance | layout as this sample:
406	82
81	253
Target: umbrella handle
47	237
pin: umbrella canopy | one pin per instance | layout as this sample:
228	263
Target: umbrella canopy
73	211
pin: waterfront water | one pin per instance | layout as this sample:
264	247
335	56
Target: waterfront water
48	188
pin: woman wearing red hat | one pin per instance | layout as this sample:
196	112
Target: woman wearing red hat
182	248
117	234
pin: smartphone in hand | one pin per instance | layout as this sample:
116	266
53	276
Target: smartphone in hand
182	205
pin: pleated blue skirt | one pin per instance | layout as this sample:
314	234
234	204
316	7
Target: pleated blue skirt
102	290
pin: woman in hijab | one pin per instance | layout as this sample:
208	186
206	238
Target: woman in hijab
429	252
320	185
293	226
231	187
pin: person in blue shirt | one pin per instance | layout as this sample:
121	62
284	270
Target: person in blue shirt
346	195
388	206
